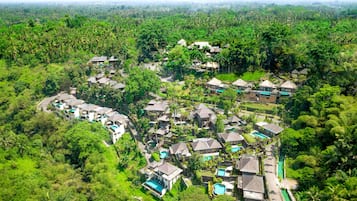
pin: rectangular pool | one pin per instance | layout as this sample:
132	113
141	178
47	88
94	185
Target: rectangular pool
154	185
236	149
259	135
221	172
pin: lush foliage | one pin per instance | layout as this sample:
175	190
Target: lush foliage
44	50
322	143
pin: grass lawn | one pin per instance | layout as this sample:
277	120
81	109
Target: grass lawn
249	138
252	76
259	106
247	76
227	77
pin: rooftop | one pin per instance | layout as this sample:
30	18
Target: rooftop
169	169
240	83
99	59
248	164
267	84
204	112
157	106
180	148
201	144
231	137
288	85
253	183
273	128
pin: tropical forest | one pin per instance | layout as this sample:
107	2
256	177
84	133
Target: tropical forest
187	101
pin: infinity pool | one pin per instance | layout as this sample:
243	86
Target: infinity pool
260	135
155	185
221	172
219	189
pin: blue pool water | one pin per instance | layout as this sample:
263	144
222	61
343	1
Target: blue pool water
114	127
155	185
207	158
221	172
260	135
164	154
235	149
219	189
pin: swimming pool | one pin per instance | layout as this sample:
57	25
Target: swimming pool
260	135
155	185
164	154
281	167
221	172
207	158
114	127
285	194
219	189
236	149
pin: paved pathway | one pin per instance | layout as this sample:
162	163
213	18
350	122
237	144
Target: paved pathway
43	105
271	176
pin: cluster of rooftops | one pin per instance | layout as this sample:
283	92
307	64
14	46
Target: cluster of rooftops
101	80
230	140
266	85
77	108
266	92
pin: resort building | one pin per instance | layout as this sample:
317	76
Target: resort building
204	116
59	101
206	146
180	150
248	164
88	111
72	106
116	124
215	50
287	88
76	108
101	60
240	84
216	85
251	186
102	114
266	86
200	45
101	80
211	66
162	179
182	42
231	138
268	129
155	109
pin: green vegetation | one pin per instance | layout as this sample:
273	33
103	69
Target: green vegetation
249	138
45	50
321	142
252	76
259	107
227	77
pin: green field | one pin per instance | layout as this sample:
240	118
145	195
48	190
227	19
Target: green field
247	76
227	77
252	76
259	107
